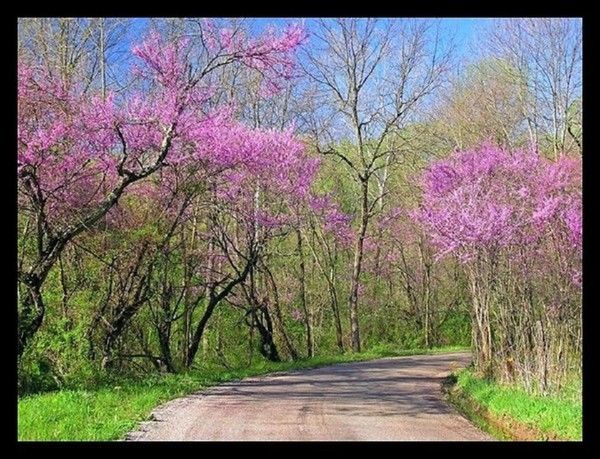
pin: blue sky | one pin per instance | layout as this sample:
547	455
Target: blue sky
464	30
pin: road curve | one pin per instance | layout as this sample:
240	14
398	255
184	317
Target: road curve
388	399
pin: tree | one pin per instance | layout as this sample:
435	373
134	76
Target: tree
79	153
505	214
487	103
367	85
548	53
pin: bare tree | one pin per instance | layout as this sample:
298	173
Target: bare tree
486	102
89	50
369	77
548	52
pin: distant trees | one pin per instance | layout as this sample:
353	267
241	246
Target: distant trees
522	88
485	104
87	50
545	57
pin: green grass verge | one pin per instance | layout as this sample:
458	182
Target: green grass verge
510	413
108	413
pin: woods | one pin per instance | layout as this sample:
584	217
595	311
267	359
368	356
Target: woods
195	191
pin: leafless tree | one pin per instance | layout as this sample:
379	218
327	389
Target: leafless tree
90	50
547	52
368	78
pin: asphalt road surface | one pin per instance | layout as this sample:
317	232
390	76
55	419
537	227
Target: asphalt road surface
388	399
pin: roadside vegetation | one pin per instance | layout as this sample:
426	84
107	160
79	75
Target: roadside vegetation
108	412
510	413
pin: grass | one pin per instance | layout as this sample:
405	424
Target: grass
511	413
108	413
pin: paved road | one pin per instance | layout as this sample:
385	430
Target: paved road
387	399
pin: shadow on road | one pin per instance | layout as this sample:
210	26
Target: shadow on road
365	388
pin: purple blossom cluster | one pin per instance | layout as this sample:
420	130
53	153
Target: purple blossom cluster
78	144
490	199
334	221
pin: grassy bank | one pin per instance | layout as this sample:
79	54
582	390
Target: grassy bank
512	414
107	413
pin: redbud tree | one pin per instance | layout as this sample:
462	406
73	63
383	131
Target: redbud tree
513	219
79	153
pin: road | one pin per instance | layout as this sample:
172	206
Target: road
387	399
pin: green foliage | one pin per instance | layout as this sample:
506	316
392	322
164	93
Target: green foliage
559	415
58	356
456	330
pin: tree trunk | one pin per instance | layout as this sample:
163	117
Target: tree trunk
164	341
102	59
307	313
281	325
357	267
336	314
31	314
482	336
116	328
199	332
267	345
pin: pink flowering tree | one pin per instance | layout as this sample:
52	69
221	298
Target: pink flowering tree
267	172
514	220
79	153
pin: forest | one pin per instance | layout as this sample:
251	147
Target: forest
213	193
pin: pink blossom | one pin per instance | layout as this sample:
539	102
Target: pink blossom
73	141
488	199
